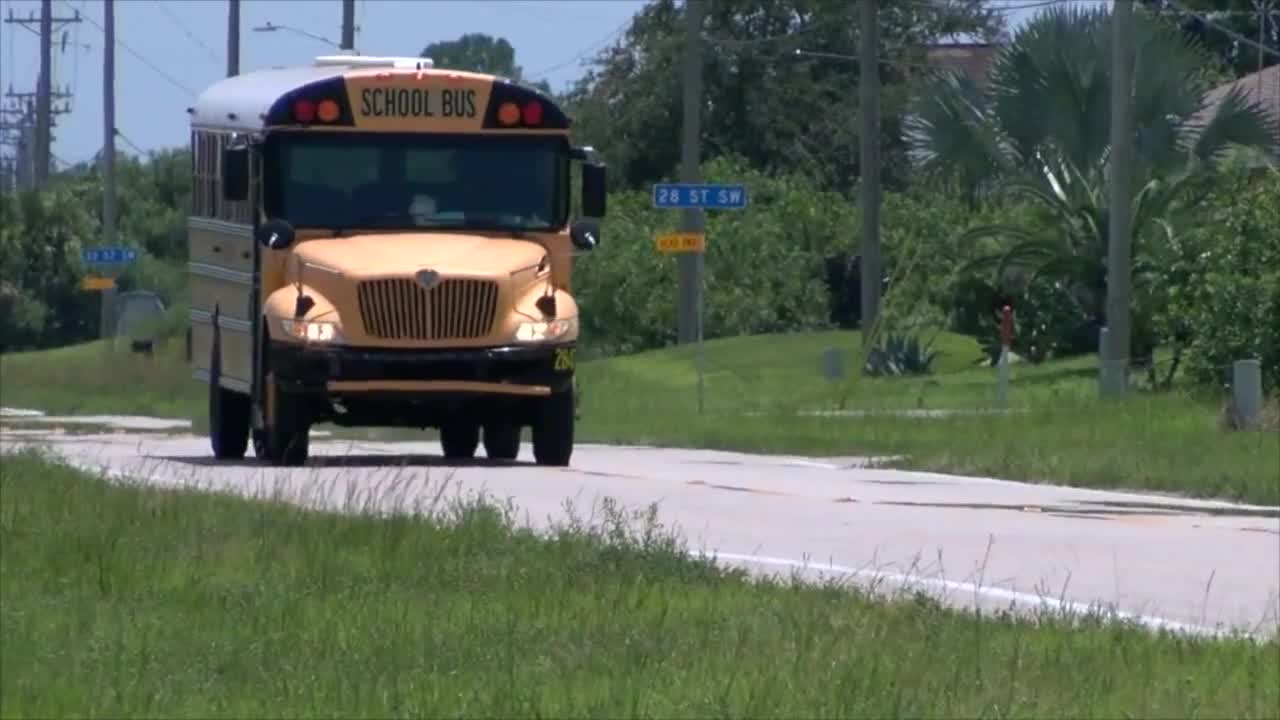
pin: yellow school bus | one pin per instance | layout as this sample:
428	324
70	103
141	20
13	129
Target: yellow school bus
380	242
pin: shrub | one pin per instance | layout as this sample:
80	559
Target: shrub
1048	321
1219	299
899	355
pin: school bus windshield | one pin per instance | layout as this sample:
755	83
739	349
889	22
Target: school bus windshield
395	181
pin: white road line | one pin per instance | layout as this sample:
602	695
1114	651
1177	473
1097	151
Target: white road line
19	413
996	593
810	463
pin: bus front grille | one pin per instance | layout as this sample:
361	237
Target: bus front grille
452	309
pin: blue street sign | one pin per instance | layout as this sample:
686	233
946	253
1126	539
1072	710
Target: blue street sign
689	195
108	255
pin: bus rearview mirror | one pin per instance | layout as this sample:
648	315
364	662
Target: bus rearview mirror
594	190
275	234
235	174
585	234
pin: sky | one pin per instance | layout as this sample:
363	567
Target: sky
167	51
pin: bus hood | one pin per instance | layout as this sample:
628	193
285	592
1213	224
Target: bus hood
383	254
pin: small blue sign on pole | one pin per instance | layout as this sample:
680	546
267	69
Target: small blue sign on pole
108	255
679	196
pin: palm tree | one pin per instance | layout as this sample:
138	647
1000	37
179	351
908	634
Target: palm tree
1042	131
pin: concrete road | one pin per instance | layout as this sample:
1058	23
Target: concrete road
1196	566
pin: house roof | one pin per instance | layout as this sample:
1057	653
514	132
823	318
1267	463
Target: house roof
1262	87
973	59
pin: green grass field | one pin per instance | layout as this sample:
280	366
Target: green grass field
123	601
755	388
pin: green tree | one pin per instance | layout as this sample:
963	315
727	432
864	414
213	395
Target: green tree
1042	131
153	199
783	113
477	52
41	303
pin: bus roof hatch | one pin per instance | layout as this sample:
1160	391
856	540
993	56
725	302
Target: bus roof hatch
411	63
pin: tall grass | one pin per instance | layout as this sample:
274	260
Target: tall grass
125	601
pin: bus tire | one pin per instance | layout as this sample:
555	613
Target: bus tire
228	409
553	427
259	443
228	423
287	439
459	440
502	441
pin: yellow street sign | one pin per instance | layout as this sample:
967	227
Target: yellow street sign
97	283
681	242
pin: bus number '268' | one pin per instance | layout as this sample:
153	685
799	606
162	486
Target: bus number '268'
565	360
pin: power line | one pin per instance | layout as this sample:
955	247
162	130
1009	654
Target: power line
1041	4
1030	5
736	43
531	10
613	34
813	27
1202	17
190	36
137	55
129	142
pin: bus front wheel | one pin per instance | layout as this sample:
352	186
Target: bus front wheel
553	429
459	440
502	441
287	438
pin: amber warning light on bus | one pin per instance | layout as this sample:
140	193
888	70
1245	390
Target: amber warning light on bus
306	111
322	102
509	113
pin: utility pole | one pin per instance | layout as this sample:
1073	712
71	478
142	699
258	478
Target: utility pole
44	103
869	157
9	138
690	265
348	24
1264	10
233	38
1118	343
29	148
13	135
44	86
22	140
1264	17
108	153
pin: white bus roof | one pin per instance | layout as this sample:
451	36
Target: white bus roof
239	103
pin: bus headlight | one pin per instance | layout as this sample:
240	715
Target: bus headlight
545	331
311	331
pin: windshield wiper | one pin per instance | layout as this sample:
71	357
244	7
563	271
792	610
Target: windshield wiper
487	223
371	220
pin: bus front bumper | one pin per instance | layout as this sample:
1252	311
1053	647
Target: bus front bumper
507	370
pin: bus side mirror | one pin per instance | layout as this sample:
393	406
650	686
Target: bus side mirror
585	234
235	174
594	190
275	234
